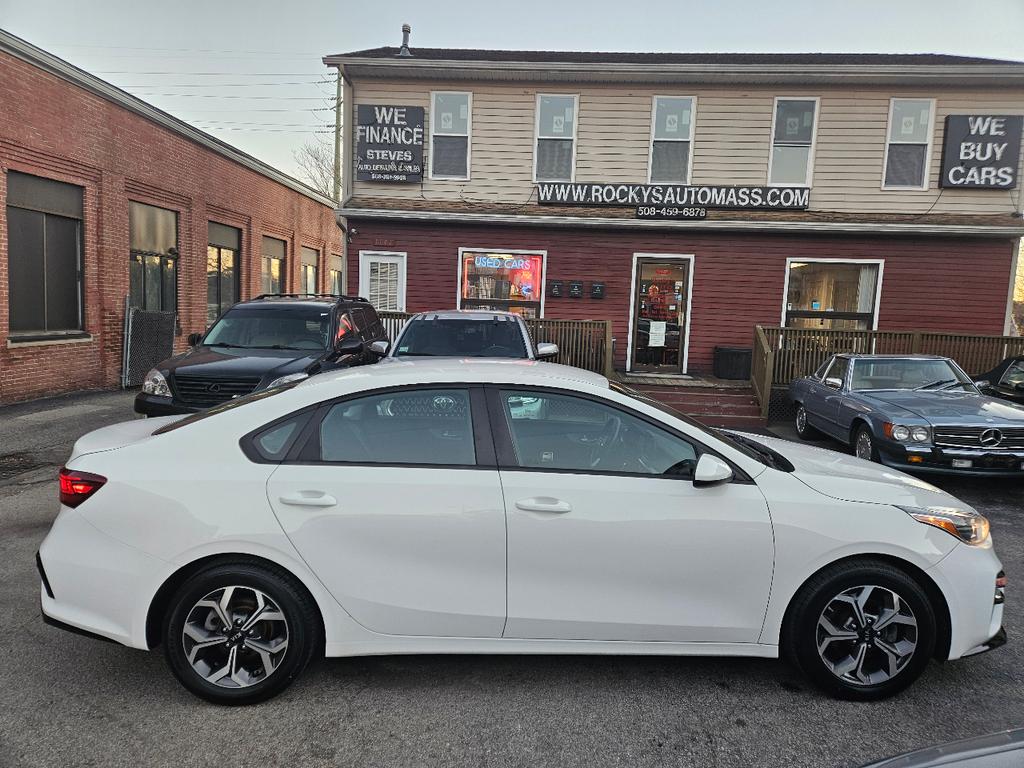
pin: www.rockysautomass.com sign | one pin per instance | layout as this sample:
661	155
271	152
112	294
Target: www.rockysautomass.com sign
628	195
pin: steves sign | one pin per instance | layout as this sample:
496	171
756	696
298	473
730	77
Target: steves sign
981	151
389	143
632	195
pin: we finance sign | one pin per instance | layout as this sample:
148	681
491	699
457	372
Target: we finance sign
389	143
629	195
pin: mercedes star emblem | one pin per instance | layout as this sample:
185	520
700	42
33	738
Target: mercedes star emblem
991	438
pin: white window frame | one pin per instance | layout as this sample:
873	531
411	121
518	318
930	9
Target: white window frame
393	257
809	177
692	263
689	139
491	249
927	175
537	137
878	286
469	136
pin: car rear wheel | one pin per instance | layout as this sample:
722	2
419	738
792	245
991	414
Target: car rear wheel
864	444
240	633
861	630
804	430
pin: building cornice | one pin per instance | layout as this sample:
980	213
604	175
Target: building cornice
47	62
354	214
993	75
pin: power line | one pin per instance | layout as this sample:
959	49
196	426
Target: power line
207	74
225	85
236	96
149	49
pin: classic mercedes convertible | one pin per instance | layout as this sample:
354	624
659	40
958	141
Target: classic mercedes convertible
919	413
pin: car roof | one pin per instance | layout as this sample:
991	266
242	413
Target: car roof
276	301
466	314
864	356
429	370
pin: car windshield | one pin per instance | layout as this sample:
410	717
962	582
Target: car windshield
745	445
278	328
923	374
458	337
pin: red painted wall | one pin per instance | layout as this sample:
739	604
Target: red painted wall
51	128
928	284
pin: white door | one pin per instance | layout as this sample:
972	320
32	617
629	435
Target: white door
382	280
608	539
395	516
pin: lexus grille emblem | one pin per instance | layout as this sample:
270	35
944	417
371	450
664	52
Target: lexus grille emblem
991	438
213	387
444	403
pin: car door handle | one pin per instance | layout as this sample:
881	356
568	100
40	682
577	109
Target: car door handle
544	504
308	499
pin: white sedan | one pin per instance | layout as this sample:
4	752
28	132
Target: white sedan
446	506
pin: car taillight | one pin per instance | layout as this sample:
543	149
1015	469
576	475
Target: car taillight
76	487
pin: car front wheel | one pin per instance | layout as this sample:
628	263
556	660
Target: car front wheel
240	633
862	630
864	444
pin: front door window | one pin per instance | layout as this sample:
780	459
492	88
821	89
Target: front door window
659	322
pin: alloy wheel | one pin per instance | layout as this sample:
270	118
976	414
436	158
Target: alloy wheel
864	448
235	637
801	420
866	635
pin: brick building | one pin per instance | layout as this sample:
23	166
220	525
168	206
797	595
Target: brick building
104	200
686	197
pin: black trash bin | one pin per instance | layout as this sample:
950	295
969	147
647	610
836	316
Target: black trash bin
732	363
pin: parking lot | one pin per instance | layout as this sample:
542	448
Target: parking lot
67	700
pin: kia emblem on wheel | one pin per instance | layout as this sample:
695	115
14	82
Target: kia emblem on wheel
991	438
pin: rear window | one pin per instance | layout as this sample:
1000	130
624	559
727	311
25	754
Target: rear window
230	405
462	338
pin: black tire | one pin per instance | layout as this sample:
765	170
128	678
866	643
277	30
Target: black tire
863	432
302	630
804	430
801	631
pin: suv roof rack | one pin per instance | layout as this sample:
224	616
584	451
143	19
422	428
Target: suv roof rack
338	296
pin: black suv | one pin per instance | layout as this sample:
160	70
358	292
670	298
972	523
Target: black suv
256	344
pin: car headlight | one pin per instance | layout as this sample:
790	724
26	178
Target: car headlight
287	379
904	434
156	384
966	525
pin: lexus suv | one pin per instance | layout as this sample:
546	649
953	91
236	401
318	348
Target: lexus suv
267	341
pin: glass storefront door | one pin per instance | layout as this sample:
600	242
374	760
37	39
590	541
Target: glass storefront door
659	316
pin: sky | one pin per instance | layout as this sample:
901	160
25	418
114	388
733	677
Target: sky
250	72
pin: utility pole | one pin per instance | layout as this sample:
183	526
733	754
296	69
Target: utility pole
337	142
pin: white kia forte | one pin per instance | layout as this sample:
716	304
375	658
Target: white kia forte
446	506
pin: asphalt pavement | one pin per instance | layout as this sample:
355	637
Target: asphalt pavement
67	700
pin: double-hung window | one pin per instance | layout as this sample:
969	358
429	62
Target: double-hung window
794	126
671	139
222	262
554	157
334	274
451	121
909	143
153	265
44	246
310	270
273	261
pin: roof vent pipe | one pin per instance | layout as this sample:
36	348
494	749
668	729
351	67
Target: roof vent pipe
406	29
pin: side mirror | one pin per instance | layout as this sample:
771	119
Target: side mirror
546	350
983	384
194	339
380	348
833	382
349	344
711	470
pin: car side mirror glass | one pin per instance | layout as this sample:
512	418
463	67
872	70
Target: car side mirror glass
348	345
833	382
711	470
546	350
379	347
983	384
194	339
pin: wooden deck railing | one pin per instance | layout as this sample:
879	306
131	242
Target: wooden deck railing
582	343
783	354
